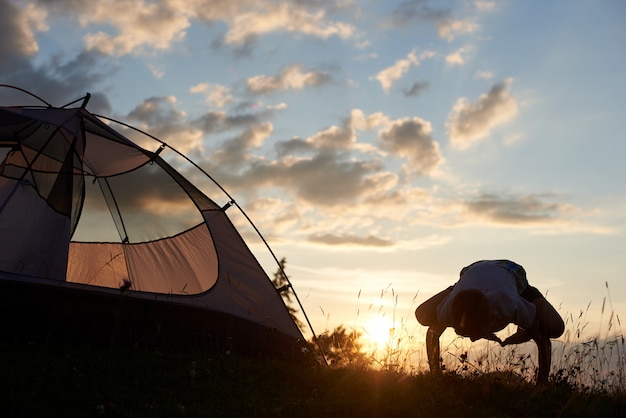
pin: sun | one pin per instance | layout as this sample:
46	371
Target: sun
378	331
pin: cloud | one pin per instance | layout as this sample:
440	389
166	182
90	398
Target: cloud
56	79
412	12
416	89
391	74
245	114
160	117
282	221
134	23
326	179
234	152
17	30
292	77
330	168
470	122
285	16
128	27
358	120
156	71
351	240
59	81
484	5
411	138
456	58
215	95
334	137
514	210
448	29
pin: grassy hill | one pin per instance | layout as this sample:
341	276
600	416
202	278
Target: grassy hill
83	381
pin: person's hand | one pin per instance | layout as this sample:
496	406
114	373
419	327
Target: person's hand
521	336
490	337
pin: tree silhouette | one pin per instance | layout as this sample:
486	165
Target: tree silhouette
341	348
282	285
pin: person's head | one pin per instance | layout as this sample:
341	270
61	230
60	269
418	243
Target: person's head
470	314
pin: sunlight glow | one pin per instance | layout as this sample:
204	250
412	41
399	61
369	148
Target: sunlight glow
378	332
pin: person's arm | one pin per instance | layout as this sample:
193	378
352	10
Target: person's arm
432	348
544	348
547	324
521	336
544	355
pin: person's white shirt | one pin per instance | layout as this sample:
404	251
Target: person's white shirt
502	288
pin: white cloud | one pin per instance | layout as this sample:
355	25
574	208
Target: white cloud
334	137
216	95
285	16
350	240
138	25
470	122
292	77
456	58
358	120
391	74
448	29
134	27
36	17
331	169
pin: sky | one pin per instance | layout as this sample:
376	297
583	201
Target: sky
379	146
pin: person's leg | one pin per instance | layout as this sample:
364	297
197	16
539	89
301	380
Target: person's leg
426	313
547	317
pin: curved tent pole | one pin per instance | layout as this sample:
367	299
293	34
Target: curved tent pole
27	92
230	203
85	98
282	270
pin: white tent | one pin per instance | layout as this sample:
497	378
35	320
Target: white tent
88	218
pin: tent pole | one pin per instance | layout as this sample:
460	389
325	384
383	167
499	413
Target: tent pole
230	203
286	278
27	92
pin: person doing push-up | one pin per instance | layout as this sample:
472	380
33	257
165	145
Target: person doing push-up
489	295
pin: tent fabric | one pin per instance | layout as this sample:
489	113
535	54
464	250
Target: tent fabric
183	264
35	237
69	178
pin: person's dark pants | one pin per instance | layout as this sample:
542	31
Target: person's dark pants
426	313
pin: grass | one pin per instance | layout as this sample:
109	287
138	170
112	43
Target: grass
588	380
82	381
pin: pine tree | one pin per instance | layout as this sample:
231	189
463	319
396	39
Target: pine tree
283	287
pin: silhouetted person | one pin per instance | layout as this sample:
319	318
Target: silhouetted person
489	295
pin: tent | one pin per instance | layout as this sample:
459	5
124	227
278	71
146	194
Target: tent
102	238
